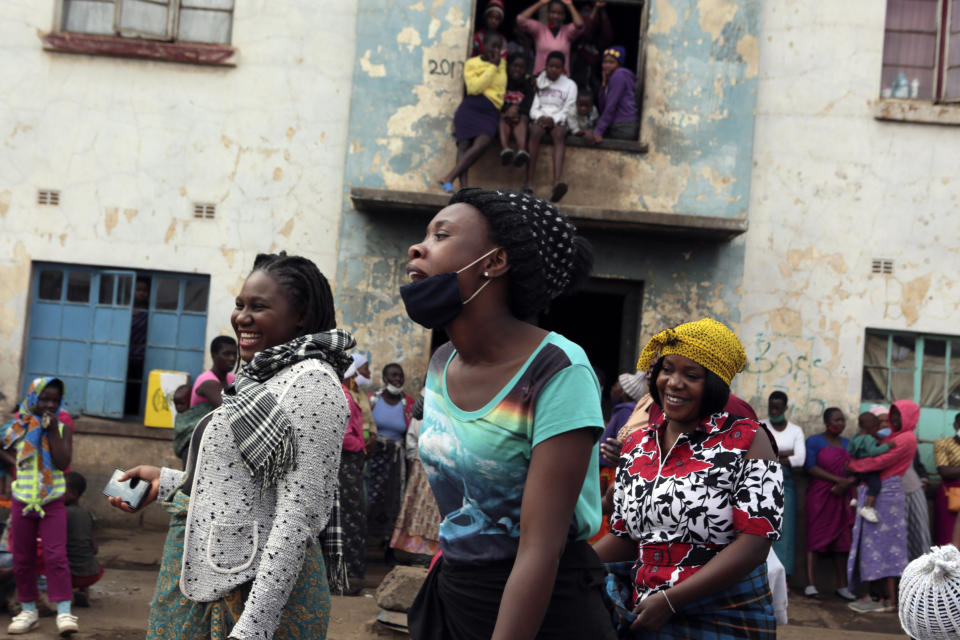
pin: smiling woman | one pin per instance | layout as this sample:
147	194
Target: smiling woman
241	558
701	491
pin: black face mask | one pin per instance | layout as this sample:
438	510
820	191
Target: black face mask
435	302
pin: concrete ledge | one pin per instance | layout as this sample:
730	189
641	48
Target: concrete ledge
387	201
920	111
119	429
220	55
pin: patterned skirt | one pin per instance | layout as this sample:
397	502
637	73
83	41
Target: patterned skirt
385	478
745	610
175	617
918	524
418	525
879	550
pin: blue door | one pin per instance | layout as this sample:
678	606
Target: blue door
79	331
177	327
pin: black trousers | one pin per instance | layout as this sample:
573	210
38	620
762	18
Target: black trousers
461	601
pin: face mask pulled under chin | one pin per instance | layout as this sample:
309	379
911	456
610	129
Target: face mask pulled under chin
393	390
363	381
435	302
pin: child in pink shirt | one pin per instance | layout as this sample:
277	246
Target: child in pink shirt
553	36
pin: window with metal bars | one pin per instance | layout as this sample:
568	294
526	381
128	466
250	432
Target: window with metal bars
921	50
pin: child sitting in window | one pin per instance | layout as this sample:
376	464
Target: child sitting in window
478	116
85	570
865	445
492	20
514	116
584	116
553	101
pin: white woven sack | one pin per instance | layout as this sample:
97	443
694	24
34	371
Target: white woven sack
930	595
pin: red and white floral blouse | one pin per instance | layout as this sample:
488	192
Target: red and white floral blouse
705	492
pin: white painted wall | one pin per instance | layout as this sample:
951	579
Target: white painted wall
832	189
131	144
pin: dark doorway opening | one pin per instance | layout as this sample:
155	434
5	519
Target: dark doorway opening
604	319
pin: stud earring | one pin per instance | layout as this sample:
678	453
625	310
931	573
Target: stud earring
486	274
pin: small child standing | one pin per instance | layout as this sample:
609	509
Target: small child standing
865	445
585	116
42	451
81	543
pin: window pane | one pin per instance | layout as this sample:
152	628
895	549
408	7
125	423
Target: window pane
197	25
106	288
195	295
901	354
88	16
168	293
124	290
934	354
901	385
144	16
953	82
874	387
910	49
932	387
912	15
915	83
206	4
78	286
875	351
51	285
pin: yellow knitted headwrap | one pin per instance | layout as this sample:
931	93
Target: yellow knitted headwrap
707	342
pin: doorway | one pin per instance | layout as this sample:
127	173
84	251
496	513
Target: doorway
604	319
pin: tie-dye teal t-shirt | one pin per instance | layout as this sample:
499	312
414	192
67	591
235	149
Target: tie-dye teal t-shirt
477	461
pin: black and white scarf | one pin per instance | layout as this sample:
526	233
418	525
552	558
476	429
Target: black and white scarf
263	431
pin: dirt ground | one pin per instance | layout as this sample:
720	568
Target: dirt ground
120	602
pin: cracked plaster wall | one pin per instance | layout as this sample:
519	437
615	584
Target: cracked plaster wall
131	144
832	189
698	120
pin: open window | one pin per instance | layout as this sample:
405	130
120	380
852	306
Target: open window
618	22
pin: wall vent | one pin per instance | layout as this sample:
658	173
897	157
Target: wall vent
48	197
204	210
882	266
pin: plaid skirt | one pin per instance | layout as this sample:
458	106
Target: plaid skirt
745	610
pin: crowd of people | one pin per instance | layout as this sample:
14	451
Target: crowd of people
492	473
522	89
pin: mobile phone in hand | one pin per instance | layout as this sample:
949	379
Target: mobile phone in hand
132	490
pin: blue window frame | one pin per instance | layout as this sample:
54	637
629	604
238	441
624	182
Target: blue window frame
80	330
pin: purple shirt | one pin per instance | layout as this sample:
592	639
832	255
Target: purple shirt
617	100
621	413
545	42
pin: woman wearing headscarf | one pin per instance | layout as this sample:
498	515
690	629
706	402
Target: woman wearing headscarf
879	551
242	557
40	450
510	426
617	99
698	497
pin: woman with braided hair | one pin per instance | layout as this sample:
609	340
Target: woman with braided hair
242	557
510	426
